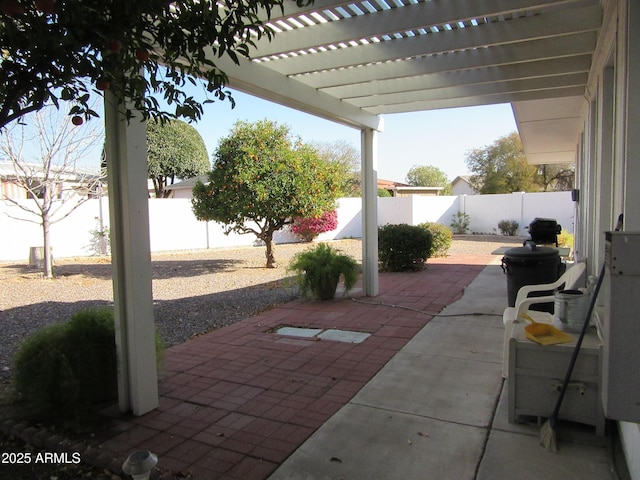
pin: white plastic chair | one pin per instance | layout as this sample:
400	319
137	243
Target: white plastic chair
569	280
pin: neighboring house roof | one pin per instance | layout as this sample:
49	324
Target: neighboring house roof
9	170
389	184
462	185
462	178
13	178
402	189
189	183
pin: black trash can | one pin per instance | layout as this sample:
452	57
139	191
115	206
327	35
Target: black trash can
531	265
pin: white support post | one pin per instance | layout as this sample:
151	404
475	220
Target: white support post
126	154
369	152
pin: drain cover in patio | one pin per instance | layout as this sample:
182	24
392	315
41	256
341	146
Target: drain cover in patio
335	335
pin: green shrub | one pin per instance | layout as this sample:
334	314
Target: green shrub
65	369
441	238
403	247
508	227
460	222
565	239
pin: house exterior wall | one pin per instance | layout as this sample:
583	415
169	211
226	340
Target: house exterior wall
173	226
10	190
461	187
608	163
628	116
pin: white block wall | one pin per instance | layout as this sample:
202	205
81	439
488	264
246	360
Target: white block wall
174	227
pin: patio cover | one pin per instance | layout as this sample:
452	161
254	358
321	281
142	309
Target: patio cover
352	62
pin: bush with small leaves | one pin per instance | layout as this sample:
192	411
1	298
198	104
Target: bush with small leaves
403	247
65	369
442	238
508	227
310	228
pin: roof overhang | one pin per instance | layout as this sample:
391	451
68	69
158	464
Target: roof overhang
549	129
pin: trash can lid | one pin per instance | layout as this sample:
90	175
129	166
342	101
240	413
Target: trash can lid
531	251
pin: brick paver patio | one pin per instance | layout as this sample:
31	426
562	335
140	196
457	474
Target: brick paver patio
236	402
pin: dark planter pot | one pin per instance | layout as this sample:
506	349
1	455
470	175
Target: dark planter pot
325	289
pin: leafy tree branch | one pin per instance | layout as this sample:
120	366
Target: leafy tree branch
73	50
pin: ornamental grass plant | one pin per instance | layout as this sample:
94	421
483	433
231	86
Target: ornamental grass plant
319	270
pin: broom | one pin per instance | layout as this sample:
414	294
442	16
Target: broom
548	430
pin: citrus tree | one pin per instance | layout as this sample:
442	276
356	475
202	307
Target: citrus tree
262	179
75	49
174	149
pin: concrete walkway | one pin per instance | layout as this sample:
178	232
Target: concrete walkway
437	410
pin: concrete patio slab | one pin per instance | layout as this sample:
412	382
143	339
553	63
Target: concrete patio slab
444	388
489	295
520	456
361	442
457	340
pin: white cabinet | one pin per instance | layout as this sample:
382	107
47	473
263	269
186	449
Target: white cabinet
536	373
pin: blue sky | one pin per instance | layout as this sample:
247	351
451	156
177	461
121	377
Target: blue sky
440	138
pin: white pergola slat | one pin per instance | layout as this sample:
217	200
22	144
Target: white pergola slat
375	91
516	53
412	16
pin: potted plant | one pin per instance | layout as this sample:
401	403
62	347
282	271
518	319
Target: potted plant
319	270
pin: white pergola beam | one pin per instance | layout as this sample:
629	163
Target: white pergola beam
376	91
471	101
255	79
479	90
402	19
292	10
580	20
541	49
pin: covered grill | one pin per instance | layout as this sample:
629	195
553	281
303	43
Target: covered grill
544	231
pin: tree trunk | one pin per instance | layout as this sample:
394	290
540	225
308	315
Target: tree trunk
268	240
46	224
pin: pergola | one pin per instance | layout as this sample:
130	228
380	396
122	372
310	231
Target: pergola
352	62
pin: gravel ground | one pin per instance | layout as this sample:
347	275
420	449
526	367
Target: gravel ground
194	291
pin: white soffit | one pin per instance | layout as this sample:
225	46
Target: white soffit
353	61
549	129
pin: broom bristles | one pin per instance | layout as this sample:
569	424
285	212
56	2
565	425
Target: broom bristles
548	437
